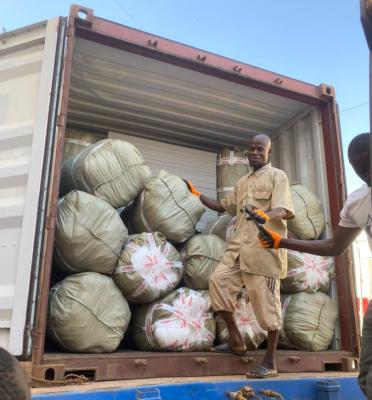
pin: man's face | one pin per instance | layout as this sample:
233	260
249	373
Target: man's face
360	161
258	153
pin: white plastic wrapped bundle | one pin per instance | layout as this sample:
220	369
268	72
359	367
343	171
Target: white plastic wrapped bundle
181	321
149	268
309	321
252	334
309	220
111	169
87	313
308	273
167	206
89	234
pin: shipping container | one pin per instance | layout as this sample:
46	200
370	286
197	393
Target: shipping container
179	105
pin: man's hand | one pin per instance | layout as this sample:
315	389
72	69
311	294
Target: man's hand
260	216
192	188
269	239
255	214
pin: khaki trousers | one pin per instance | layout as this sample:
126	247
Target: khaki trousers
263	292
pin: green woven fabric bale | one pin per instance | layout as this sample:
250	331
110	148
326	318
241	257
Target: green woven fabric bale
219	226
309	321
308	222
308	273
149	268
87	314
245	319
111	169
76	140
167	206
201	255
89	234
181	321
232	164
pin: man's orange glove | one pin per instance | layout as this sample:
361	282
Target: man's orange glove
260	216
269	239
192	188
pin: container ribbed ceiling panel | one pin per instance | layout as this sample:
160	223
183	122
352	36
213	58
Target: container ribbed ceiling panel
125	92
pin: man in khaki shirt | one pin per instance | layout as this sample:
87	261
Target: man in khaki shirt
265	190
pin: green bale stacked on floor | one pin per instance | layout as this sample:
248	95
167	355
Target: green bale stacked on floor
111	169
309	321
87	314
167	206
201	255
89	234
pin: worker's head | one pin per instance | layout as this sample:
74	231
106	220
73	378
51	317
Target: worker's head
13	383
259	150
359	156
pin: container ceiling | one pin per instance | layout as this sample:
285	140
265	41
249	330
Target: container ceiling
124	92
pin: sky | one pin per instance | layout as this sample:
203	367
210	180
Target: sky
317	41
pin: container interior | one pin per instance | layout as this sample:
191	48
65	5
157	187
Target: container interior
179	119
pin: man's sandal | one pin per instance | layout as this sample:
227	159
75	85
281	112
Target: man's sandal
224	348
261	372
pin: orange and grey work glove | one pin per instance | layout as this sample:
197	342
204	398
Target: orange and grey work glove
192	188
269	239
260	216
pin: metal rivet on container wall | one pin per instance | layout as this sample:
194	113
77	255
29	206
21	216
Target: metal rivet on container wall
294	359
141	362
248	360
278	80
201	57
236	68
153	42
201	361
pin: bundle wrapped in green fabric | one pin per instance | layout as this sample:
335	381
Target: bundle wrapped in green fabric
149	268
111	169
89	234
76	140
245	319
308	222
167	206
223	227
309	321
308	273
181	321
201	255
232	164
87	314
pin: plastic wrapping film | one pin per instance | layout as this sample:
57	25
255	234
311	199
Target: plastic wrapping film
308	273
181	321
245	319
149	268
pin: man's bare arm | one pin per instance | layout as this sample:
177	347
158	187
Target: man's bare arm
211	203
276	214
342	239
